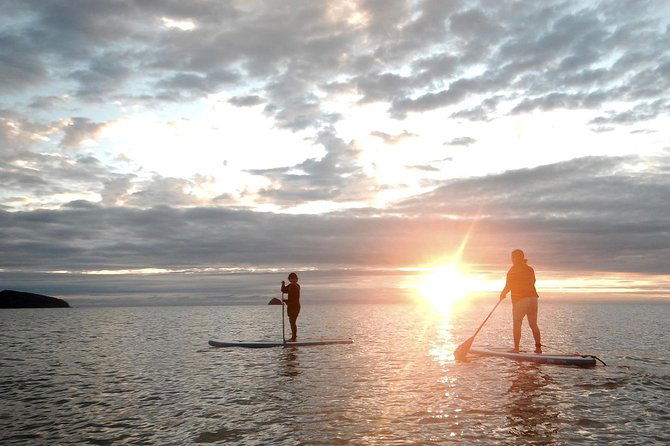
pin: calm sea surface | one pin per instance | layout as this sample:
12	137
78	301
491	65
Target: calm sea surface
145	375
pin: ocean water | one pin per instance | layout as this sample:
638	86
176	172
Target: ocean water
145	375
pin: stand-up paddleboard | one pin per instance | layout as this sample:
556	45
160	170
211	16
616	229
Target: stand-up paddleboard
268	344
584	361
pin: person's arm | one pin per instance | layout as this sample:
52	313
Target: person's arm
532	274
284	288
532	277
503	293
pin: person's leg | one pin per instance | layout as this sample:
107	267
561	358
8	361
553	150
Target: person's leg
293	318
518	312
532	322
294	328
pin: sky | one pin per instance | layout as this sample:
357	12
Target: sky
156	136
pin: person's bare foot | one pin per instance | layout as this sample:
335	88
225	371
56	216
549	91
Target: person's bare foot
292	340
538	349
514	350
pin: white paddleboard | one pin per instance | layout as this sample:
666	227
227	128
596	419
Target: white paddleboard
267	344
535	357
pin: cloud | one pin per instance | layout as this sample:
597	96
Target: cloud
641	112
160	191
48	102
423	167
21	67
34	174
115	189
554	54
194	236
40	179
485	111
474	114
18	134
193	85
476	60
77	131
246	101
597	190
393	139
562	60
337	176
105	74
83	237
381	86
462	141
602	129
588	214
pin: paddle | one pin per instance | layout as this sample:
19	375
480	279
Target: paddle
283	330
462	351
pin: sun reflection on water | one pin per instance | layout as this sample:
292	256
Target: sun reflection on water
438	332
442	350
441	290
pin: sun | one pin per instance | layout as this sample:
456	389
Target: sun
444	285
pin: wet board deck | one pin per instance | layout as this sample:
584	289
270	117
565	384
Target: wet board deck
268	344
535	357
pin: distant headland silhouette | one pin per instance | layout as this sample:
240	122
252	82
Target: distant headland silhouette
20	299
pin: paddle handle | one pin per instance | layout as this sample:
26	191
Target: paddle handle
487	317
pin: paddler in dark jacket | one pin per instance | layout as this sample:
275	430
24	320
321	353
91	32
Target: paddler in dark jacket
292	303
521	282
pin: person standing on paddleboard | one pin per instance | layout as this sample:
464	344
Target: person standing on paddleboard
292	303
521	282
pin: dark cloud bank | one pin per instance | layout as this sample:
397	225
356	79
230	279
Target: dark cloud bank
588	214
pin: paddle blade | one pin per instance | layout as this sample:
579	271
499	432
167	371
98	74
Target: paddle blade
462	351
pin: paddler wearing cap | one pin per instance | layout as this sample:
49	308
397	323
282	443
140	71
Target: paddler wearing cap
521	282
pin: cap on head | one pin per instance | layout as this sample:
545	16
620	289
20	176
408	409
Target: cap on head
518	256
293	276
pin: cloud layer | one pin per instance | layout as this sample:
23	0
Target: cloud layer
591	214
480	59
72	71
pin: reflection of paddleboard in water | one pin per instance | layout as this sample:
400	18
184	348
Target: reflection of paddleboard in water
585	361
267	344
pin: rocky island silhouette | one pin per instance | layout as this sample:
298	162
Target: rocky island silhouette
20	299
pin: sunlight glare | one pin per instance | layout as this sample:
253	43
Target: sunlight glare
445	285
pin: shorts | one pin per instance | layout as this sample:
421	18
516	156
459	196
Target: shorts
293	311
526	306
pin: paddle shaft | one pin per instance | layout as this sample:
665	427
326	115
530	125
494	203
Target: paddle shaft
487	317
283	330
